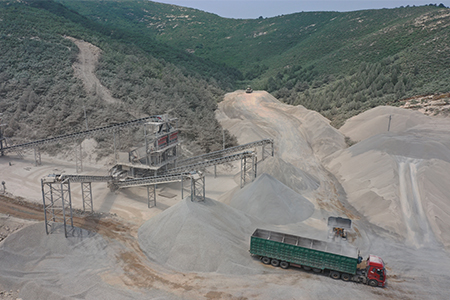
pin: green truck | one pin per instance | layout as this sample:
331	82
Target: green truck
340	261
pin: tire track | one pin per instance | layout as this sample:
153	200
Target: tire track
418	232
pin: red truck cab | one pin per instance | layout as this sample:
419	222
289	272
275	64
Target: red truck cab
376	271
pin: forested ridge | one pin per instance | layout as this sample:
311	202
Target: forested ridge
158	58
40	97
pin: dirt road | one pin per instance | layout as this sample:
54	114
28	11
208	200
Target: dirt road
299	143
84	69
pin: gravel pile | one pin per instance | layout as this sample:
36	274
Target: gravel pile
270	200
51	267
206	236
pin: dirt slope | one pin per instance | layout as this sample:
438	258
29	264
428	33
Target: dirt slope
399	181
302	138
84	69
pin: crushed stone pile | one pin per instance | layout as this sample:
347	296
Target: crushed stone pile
206	236
271	201
302	139
397	179
52	267
376	121
293	177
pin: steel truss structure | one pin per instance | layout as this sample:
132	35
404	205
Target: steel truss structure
144	164
248	169
212	162
57	205
226	152
58	202
86	196
197	187
52	194
74	138
152	182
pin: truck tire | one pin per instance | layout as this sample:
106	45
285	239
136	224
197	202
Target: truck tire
317	270
275	262
346	277
335	275
373	283
265	260
306	268
284	264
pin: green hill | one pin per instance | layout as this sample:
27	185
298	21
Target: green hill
332	62
40	97
158	58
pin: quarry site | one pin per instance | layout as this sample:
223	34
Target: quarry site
392	183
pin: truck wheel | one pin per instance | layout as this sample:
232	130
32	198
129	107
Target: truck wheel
317	270
306	268
373	283
284	264
275	262
265	260
345	277
335	275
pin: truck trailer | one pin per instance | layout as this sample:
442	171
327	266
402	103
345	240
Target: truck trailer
340	261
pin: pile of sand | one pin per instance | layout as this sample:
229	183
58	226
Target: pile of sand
376	121
323	138
293	177
51	267
298	132
206	236
302	139
398	180
271	201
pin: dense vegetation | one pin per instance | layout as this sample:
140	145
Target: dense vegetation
40	97
159	58
335	63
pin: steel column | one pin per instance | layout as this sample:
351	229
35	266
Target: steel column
115	147
198	187
248	169
37	156
86	195
151	195
79	158
58	204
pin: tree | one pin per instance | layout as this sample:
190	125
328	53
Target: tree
399	89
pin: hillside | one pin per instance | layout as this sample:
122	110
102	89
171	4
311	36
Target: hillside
41	94
336	63
157	58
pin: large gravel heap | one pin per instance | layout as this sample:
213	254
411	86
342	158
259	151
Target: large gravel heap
51	267
269	200
206	236
398	178
191	236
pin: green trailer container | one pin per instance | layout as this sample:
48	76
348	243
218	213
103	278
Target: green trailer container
286	249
